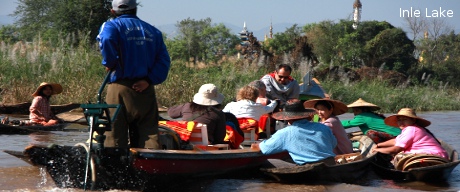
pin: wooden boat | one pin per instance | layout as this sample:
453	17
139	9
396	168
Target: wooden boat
140	169
23	108
437	172
345	170
27	129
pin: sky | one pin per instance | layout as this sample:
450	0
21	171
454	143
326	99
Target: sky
259	14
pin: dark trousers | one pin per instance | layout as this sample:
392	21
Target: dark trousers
137	122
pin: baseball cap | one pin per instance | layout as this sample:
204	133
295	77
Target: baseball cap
123	5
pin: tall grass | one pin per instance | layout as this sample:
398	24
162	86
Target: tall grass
23	66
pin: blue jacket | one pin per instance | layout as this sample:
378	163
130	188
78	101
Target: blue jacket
305	141
139	45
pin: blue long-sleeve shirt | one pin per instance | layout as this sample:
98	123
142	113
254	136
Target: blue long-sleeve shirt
133	49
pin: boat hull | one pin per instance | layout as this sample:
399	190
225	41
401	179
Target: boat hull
197	163
10	129
347	172
441	172
141	169
23	108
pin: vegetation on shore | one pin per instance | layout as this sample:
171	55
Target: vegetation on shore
25	65
376	61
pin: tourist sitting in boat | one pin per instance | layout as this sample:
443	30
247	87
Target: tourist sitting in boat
281	86
247	110
370	123
40	109
415	138
260	86
328	109
204	109
305	141
246	106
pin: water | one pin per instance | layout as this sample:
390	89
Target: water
17	175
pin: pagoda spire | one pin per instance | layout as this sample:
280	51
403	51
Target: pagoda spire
357	6
271	30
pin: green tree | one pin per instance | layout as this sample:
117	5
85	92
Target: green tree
54	19
200	41
8	33
392	47
284	42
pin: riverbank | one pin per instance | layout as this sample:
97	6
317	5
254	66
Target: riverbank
78	70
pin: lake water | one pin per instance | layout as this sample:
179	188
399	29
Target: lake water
16	175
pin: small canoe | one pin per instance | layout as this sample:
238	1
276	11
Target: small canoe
348	167
27	129
434	171
23	108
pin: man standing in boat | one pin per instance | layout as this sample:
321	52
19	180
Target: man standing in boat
281	86
136	56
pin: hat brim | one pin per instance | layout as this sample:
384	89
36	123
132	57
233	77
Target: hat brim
392	120
283	115
338	107
57	88
361	103
200	99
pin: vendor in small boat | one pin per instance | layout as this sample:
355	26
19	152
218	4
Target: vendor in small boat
204	109
306	142
328	109
415	138
40	109
370	123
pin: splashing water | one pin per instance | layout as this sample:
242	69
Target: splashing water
43	179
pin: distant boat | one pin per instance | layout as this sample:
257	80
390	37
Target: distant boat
27	129
23	108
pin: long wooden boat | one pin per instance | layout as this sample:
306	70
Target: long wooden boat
139	169
23	108
348	167
437	172
27	129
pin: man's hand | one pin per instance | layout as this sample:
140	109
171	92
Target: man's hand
140	85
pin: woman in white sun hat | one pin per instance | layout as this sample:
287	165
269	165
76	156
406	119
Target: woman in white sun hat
204	109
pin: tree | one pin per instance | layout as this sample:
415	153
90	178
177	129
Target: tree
200	41
8	33
284	42
392	48
53	19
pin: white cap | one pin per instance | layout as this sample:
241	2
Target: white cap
123	5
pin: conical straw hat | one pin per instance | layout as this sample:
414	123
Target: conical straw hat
361	103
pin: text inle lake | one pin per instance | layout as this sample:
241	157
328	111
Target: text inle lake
428	13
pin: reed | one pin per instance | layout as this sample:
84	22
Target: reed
24	66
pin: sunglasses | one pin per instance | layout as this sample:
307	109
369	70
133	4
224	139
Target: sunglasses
282	77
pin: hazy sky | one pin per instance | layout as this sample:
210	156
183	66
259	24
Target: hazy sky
259	13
